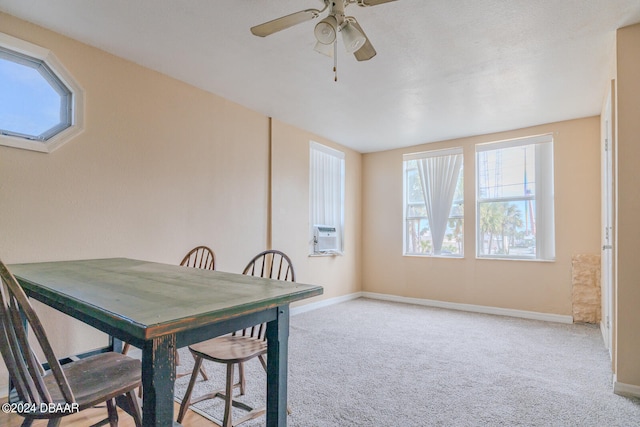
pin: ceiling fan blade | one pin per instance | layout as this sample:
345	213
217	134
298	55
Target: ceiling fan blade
284	22
365	3
366	52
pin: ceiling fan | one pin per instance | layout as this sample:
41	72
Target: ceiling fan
326	30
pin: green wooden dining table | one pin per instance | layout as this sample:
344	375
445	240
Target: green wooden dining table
159	307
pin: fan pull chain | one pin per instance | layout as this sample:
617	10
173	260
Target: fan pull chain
335	61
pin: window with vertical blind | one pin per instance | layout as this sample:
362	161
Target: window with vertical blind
326	198
515	202
434	203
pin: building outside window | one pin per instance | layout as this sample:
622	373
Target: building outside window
514	193
434	203
326	200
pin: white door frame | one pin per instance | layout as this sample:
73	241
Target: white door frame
606	324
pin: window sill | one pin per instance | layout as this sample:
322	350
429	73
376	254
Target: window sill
514	259
434	256
325	254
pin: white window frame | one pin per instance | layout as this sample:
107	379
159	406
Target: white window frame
424	155
51	143
543	196
326	171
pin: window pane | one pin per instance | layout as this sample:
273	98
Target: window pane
515	207
453	238
457	209
414	189
419	238
29	104
506	173
508	228
416	211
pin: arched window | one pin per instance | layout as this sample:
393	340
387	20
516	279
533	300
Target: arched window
41	105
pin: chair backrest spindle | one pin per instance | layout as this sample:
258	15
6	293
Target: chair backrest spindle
200	257
19	356
266	262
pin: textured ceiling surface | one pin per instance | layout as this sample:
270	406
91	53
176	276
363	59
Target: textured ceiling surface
444	69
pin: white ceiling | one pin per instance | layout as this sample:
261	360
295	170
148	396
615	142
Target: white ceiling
444	69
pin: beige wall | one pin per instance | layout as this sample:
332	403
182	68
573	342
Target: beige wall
523	285
628	196
339	275
161	167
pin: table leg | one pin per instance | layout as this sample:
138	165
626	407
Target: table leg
115	344
158	376
277	353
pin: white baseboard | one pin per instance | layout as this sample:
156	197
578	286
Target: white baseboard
623	389
324	303
619	388
547	317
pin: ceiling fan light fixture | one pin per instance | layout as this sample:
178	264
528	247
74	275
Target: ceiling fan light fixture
352	38
325	30
325	49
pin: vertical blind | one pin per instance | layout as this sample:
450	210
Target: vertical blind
326	189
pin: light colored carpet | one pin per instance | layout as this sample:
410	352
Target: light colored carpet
373	363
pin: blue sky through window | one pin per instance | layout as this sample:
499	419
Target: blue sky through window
28	103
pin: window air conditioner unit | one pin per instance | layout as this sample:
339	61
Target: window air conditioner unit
325	238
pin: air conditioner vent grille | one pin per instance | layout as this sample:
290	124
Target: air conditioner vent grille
325	238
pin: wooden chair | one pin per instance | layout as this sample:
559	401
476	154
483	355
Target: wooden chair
198	257
239	347
71	387
204	258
